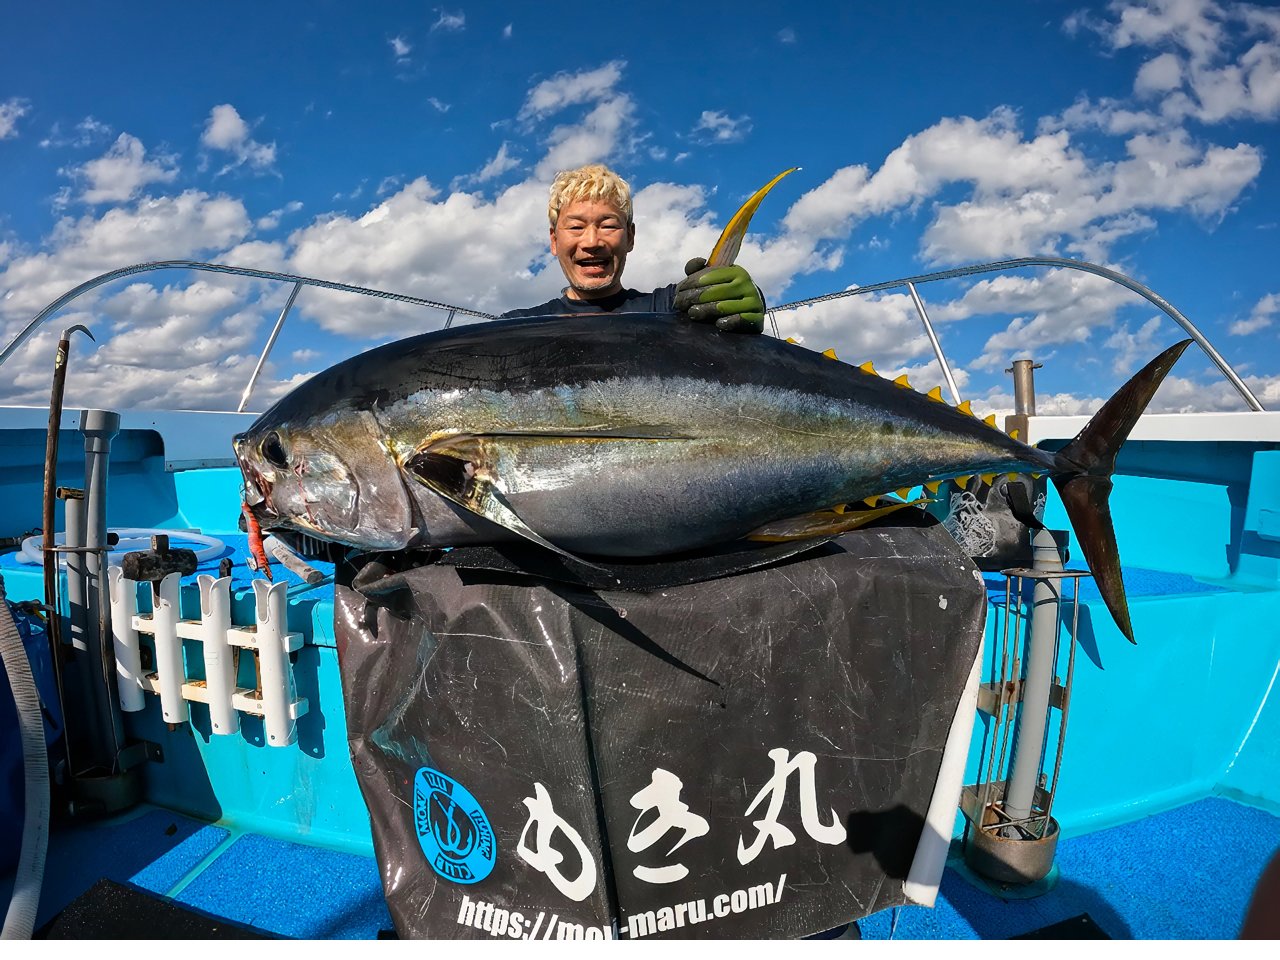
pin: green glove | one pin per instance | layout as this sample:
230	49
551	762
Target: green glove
726	296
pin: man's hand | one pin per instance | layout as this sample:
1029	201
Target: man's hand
723	295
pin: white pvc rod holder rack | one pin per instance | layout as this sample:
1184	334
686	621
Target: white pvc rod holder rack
275	699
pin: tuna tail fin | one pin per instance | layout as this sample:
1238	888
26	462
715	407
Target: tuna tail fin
1083	477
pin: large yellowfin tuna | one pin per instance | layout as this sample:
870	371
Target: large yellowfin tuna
634	437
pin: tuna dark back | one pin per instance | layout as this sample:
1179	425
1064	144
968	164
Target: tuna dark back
533	353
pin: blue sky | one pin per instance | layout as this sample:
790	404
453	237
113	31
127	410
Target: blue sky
408	147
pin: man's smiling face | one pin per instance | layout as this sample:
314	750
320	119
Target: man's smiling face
591	240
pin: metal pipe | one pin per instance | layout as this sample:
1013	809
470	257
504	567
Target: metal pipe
1081	265
99	428
266	351
937	347
1028	750
972	270
73	539
99	280
1024	387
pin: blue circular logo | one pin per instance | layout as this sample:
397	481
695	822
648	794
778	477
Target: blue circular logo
453	831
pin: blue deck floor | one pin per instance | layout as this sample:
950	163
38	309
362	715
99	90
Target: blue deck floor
1185	874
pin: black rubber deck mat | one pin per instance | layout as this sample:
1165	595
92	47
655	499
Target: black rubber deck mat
119	911
1083	927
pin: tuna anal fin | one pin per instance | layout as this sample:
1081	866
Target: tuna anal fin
823	523
456	480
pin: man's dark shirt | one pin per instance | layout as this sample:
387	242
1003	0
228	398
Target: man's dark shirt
661	300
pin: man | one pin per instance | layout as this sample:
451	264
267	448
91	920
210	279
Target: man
592	231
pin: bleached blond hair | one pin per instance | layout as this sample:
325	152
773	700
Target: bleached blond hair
594	182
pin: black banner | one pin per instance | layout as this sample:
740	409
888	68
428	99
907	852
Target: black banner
751	756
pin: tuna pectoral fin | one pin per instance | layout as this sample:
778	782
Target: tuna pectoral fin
1082	475
824	523
456	480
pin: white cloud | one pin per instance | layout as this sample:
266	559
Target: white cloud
714	126
1131	349
594	138
449	22
1027	196
506	32
190	226
1225	63
226	131
400	47
88	132
500	164
1159	75
11	111
1261	317
440	106
419	241
272	219
122	172
787	35
571	89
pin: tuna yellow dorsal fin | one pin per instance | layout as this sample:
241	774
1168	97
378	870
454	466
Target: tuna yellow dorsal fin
989	419
725	252
965	408
936	394
830	354
902	381
868	367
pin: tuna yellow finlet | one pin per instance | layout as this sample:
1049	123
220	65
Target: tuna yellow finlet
989	419
868	367
933	485
792	340
902	381
830	354
965	408
1013	434
936	394
988	478
904	493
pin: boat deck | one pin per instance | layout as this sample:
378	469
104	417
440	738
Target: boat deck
1187	873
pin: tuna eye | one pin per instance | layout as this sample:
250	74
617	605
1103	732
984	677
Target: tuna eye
273	450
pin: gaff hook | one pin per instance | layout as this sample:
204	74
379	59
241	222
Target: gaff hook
50	468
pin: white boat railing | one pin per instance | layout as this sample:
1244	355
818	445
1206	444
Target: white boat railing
910	283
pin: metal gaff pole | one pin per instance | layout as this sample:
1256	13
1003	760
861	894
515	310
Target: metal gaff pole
937	347
1019	798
